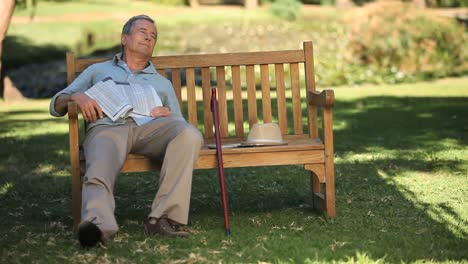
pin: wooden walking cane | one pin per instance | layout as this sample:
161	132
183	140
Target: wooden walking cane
219	156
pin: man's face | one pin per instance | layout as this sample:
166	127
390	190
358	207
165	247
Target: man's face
141	39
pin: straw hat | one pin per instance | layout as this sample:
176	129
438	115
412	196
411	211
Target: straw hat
268	134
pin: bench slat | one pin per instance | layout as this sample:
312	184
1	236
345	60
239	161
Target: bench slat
266	98
251	94
222	101
243	58
310	86
246	159
281	98
213	60
296	98
237	98
162	72
296	152
207	115
191	97
177	84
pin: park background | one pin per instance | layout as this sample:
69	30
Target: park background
399	71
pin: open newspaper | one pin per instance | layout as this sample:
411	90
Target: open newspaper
123	99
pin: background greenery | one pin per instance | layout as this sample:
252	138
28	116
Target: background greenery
351	46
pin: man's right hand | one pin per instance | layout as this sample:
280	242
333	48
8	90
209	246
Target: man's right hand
89	107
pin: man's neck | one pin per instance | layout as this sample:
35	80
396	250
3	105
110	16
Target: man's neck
135	63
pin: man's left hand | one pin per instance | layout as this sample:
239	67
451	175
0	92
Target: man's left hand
160	111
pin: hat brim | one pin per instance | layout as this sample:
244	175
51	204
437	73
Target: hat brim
261	144
229	145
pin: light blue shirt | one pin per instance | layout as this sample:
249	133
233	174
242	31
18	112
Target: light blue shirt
118	70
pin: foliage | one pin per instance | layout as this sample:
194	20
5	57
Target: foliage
25	3
394	35
401	191
429	3
319	2
447	3
170	2
362	2
211	30
286	9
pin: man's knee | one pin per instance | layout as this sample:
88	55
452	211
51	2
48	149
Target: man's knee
191	135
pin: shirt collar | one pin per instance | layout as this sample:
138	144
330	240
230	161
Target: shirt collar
150	69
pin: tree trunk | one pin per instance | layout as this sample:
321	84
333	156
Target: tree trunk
419	3
193	3
250	4
343	4
6	12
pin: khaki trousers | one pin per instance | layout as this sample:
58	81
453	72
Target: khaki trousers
106	147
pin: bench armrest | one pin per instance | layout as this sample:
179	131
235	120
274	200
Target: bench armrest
73	110
74	139
73	128
326	98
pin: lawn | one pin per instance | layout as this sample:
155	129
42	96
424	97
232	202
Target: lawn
401	182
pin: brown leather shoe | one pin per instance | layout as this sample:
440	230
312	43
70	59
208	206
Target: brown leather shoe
164	228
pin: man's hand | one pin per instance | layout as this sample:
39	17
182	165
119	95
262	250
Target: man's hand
160	111
89	107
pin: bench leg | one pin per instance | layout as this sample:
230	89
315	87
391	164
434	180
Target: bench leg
330	209
317	196
76	199
323	198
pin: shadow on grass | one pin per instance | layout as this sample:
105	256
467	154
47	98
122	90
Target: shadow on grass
401	123
376	216
19	51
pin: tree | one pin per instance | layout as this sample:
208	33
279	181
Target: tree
250	4
6	12
419	3
193	3
343	4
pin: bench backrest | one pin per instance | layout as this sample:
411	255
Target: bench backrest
251	86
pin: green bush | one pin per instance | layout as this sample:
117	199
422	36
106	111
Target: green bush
170	2
447	3
318	2
286	9
394	36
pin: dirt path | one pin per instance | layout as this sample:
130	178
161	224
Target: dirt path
182	11
122	16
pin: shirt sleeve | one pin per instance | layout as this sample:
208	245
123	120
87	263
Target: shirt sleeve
80	84
172	102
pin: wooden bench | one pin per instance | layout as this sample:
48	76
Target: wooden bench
270	86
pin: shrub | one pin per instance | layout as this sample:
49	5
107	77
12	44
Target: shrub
286	9
318	2
170	2
447	3
396	36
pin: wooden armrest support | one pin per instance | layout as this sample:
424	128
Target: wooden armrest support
74	136
326	98
72	110
74	142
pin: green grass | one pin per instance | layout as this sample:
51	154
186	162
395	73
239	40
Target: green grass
401	186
